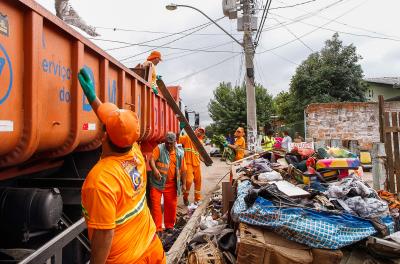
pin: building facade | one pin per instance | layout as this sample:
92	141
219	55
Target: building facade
389	87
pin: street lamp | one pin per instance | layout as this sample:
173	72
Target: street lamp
247	45
173	7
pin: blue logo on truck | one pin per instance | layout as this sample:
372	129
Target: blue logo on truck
5	63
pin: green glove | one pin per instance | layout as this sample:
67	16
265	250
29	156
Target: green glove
155	91
225	144
159	77
181	125
87	85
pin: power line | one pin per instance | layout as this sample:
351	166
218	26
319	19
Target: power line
293	34
312	31
258	70
204	69
263	19
173	48
173	34
344	32
303	17
164	44
186	53
162	32
303	3
283	58
347	25
172	41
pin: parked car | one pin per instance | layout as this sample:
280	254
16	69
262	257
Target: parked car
215	152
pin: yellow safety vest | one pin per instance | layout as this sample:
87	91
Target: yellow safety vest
268	143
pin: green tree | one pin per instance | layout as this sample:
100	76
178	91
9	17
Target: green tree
228	107
283	104
211	130
330	75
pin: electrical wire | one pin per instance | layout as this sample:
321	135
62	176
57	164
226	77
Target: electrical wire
173	48
263	19
283	58
348	25
303	17
344	32
312	31
258	70
182	49
172	41
186	53
162	32
299	4
204	69
170	35
293	34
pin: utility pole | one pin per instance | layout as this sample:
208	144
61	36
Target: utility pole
250	87
245	24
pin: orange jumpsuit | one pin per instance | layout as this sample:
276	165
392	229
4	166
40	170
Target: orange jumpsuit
169	193
113	197
240	142
192	159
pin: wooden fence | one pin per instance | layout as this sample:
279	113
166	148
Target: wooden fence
389	128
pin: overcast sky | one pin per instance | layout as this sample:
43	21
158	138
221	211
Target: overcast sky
372	26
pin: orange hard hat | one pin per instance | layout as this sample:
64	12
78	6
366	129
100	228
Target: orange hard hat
154	55
200	130
122	125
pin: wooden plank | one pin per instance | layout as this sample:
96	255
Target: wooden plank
227	196
378	165
391	129
396	152
381	106
389	156
175	252
171	102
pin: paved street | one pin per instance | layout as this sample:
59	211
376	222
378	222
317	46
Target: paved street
211	175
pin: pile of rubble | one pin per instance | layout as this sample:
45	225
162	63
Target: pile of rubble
279	216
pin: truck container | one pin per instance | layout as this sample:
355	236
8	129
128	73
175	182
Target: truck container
50	136
44	114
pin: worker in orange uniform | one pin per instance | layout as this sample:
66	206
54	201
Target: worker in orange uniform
168	179
192	159
120	227
152	60
240	144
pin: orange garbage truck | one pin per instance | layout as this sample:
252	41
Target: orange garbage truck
49	136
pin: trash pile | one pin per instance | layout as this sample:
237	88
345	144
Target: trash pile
313	208
214	240
169	237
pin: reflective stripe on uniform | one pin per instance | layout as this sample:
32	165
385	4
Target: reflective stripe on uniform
162	167
130	214
191	150
85	212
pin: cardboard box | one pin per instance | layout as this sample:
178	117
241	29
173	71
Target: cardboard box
261	246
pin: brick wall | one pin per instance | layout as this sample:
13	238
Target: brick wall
346	121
